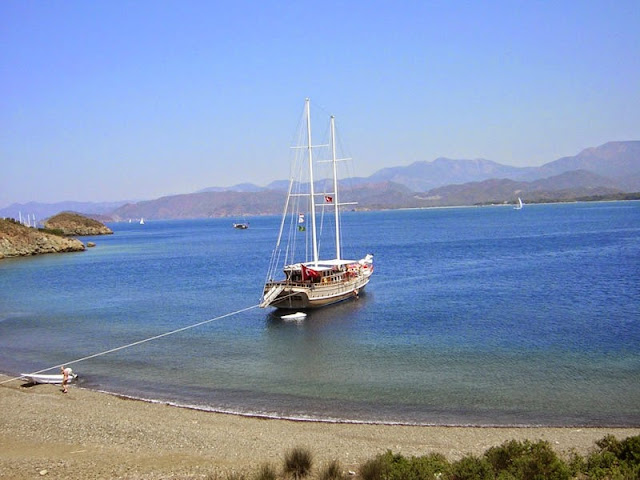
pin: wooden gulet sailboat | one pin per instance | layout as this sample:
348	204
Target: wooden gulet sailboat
314	282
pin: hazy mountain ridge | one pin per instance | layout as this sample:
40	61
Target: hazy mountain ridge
566	186
619	161
422	176
241	187
378	196
609	169
203	205
613	159
41	211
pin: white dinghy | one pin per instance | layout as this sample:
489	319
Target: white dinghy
55	378
294	317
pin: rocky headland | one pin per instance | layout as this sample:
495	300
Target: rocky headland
18	240
74	224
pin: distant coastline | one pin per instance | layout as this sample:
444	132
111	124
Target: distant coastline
608	172
630	197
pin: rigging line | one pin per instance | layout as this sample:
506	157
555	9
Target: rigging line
155	337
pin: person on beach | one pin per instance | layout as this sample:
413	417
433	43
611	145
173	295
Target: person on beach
65	378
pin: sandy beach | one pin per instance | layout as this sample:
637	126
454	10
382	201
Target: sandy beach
84	434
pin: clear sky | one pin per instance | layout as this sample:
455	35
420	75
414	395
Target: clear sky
115	100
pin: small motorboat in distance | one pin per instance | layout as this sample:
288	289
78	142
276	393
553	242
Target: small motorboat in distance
294	316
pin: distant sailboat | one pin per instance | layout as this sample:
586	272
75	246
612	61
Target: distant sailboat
142	221
28	221
519	205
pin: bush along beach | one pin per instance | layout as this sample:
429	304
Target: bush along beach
513	460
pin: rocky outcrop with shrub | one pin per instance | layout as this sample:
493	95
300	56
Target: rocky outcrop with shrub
74	224
18	240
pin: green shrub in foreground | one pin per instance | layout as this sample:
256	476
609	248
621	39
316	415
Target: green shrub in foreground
374	469
513	460
615	459
471	468
332	471
527	461
266	472
390	466
298	462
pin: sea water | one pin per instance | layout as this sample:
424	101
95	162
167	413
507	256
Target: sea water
474	316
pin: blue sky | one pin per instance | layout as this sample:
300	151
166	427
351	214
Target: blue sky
114	100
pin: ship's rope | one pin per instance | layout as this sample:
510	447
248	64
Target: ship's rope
139	342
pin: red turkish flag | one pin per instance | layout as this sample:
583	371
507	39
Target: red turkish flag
309	273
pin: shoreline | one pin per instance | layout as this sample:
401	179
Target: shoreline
90	434
340	421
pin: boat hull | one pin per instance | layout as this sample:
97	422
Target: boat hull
303	297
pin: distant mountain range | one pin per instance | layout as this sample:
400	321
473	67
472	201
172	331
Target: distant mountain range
618	161
610	169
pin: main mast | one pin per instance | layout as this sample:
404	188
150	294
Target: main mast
335	185
312	192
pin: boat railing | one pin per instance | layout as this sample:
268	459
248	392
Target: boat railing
340	283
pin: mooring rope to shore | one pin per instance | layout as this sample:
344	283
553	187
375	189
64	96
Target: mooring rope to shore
139	342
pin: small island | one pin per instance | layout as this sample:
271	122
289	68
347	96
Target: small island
17	240
74	224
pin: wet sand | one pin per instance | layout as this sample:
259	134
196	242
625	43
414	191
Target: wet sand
85	434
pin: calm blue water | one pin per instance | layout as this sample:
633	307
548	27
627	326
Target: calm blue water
484	316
